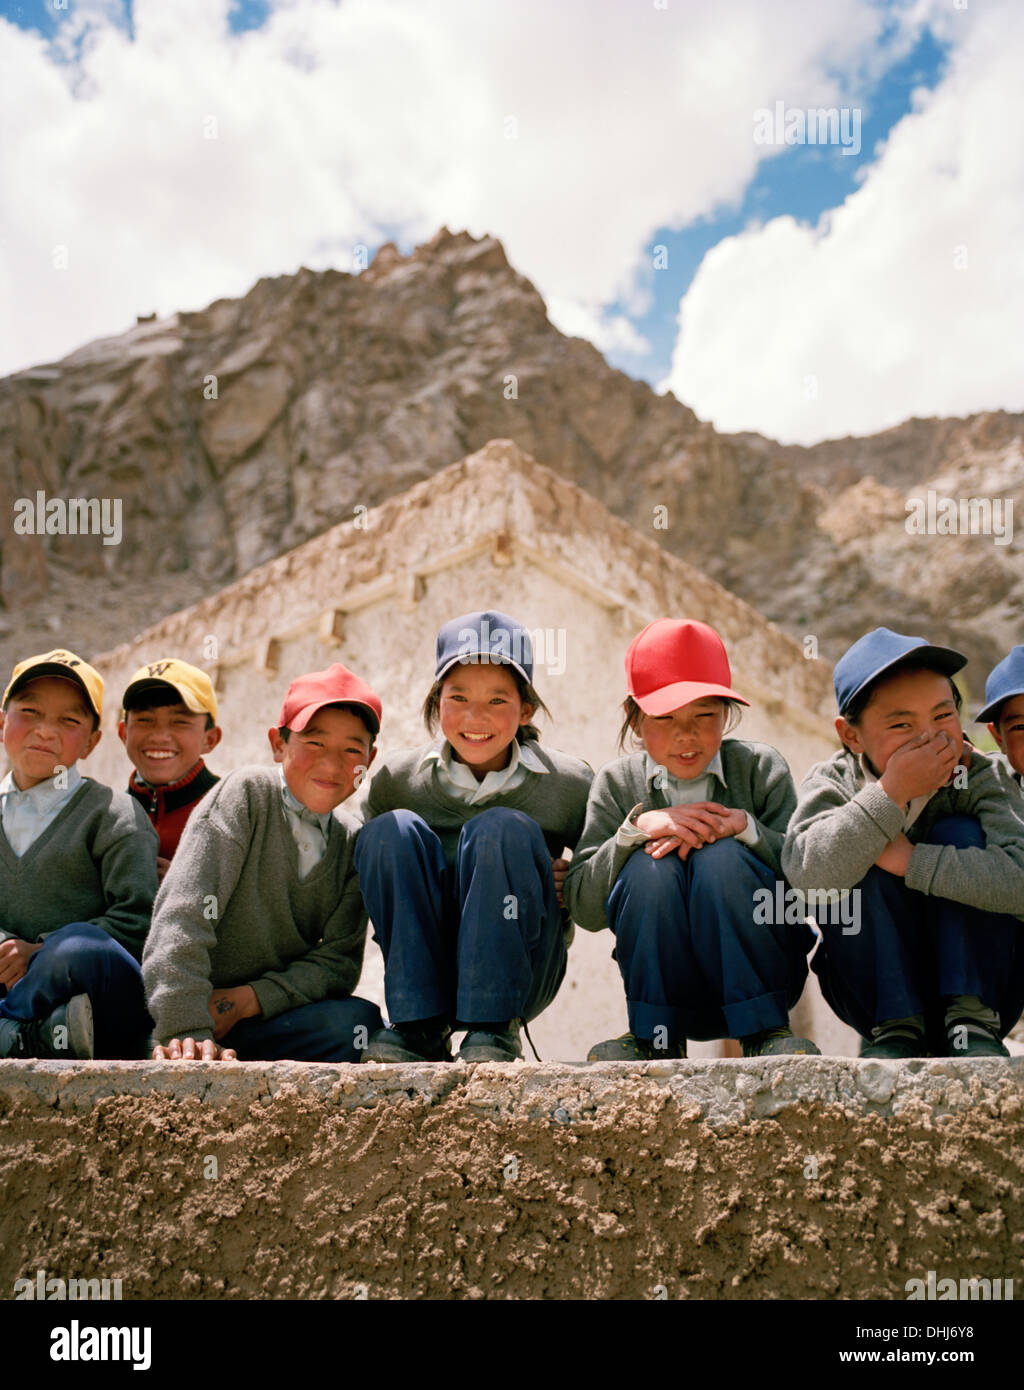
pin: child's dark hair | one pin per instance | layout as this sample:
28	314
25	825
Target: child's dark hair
634	714
855	709
155	698
526	733
358	710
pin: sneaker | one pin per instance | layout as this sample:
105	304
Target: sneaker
67	1034
424	1040
492	1042
891	1044
966	1037
630	1048
778	1042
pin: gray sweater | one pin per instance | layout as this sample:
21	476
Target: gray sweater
556	800
757	780
95	862
232	911
843	822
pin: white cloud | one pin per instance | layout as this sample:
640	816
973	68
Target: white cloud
608	332
907	300
343	124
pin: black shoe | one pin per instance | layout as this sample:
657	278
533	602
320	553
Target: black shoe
492	1042
966	1037
67	1034
778	1042
894	1044
425	1040
630	1048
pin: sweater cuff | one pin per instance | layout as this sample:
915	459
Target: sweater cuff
924	861
271	996
750	834
628	836
889	817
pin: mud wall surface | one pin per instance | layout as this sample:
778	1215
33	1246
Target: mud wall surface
817	1178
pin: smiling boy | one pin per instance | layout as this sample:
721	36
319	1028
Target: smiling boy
920	825
259	927
78	874
169	721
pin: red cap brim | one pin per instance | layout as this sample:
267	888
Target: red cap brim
673	697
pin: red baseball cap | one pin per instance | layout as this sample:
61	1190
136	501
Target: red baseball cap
672	663
336	685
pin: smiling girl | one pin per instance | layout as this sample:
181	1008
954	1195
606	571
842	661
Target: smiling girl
681	840
460	861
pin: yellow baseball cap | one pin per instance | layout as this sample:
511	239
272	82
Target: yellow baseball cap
194	686
64	665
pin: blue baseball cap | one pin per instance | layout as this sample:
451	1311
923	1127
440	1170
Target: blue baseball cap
1005	680
486	636
879	651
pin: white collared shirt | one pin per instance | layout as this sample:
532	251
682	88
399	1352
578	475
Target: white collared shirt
457	779
683	793
310	829
26	814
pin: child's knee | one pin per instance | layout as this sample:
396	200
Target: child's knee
501	823
962	832
389	828
719	860
653	878
79	939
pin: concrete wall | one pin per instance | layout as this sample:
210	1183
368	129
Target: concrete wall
776	1178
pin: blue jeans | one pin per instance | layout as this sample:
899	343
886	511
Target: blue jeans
692	957
331	1030
914	949
479	941
82	958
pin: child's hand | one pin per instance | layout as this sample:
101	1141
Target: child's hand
188	1050
15	955
227	1006
895	858
920	767
559	867
162	865
682	828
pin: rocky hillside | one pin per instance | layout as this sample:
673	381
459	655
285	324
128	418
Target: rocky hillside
232	434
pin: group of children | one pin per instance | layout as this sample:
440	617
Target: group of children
200	918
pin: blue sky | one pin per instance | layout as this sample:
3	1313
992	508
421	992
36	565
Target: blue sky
633	130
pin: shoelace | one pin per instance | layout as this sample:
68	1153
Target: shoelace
529	1039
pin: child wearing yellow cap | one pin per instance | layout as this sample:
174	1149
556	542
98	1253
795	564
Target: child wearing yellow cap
78	872
168	723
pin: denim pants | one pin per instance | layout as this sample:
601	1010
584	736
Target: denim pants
478	941
331	1030
693	958
82	958
914	949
